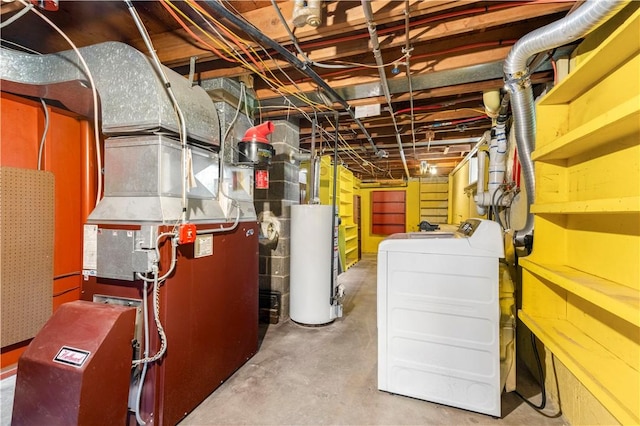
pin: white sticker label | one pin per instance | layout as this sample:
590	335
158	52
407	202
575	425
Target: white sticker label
203	246
90	248
71	356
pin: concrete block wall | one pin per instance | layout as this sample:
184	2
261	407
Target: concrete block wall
274	205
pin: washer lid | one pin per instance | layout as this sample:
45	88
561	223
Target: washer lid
474	237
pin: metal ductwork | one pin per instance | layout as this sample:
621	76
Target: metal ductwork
518	82
143	153
133	99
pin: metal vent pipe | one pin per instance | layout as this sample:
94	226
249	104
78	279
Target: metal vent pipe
518	82
375	44
260	37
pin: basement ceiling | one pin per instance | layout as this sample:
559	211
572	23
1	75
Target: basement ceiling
439	57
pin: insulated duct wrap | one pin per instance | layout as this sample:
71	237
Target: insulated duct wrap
132	97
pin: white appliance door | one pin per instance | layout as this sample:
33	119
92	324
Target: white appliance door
442	330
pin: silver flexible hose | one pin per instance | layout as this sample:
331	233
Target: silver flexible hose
518	82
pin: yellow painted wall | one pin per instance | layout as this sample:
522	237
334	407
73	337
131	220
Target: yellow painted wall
581	284
461	204
370	241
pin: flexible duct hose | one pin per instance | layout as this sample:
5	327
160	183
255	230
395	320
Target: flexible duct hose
584	20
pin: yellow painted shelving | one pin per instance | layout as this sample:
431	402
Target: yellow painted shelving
581	284
346	213
619	300
578	351
348	231
606	205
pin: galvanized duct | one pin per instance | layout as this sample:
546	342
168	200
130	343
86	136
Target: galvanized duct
133	99
518	82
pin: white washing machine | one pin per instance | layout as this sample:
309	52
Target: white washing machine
439	316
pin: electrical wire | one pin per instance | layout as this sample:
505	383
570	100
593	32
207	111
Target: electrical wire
373	35
246	106
165	81
192	34
543	392
275	84
494	207
347	147
254	32
157	281
44	132
222	228
15	17
291	35
407	51
174	256
272	81
229	127
443	52
234	202
145	365
94	93
555	71
429	19
237	40
19	46
342	65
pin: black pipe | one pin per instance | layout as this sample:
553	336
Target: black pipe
504	107
254	32
334	215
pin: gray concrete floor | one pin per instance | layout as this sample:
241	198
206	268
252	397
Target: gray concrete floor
7	387
328	375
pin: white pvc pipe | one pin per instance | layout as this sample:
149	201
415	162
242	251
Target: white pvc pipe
497	160
497	169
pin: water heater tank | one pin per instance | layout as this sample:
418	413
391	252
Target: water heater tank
311	252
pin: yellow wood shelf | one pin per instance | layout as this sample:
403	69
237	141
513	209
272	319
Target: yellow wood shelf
611	125
350	264
617	299
347	239
607	205
351	250
622	44
615	384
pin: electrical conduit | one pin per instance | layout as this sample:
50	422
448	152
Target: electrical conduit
254	32
368	13
174	102
518	82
